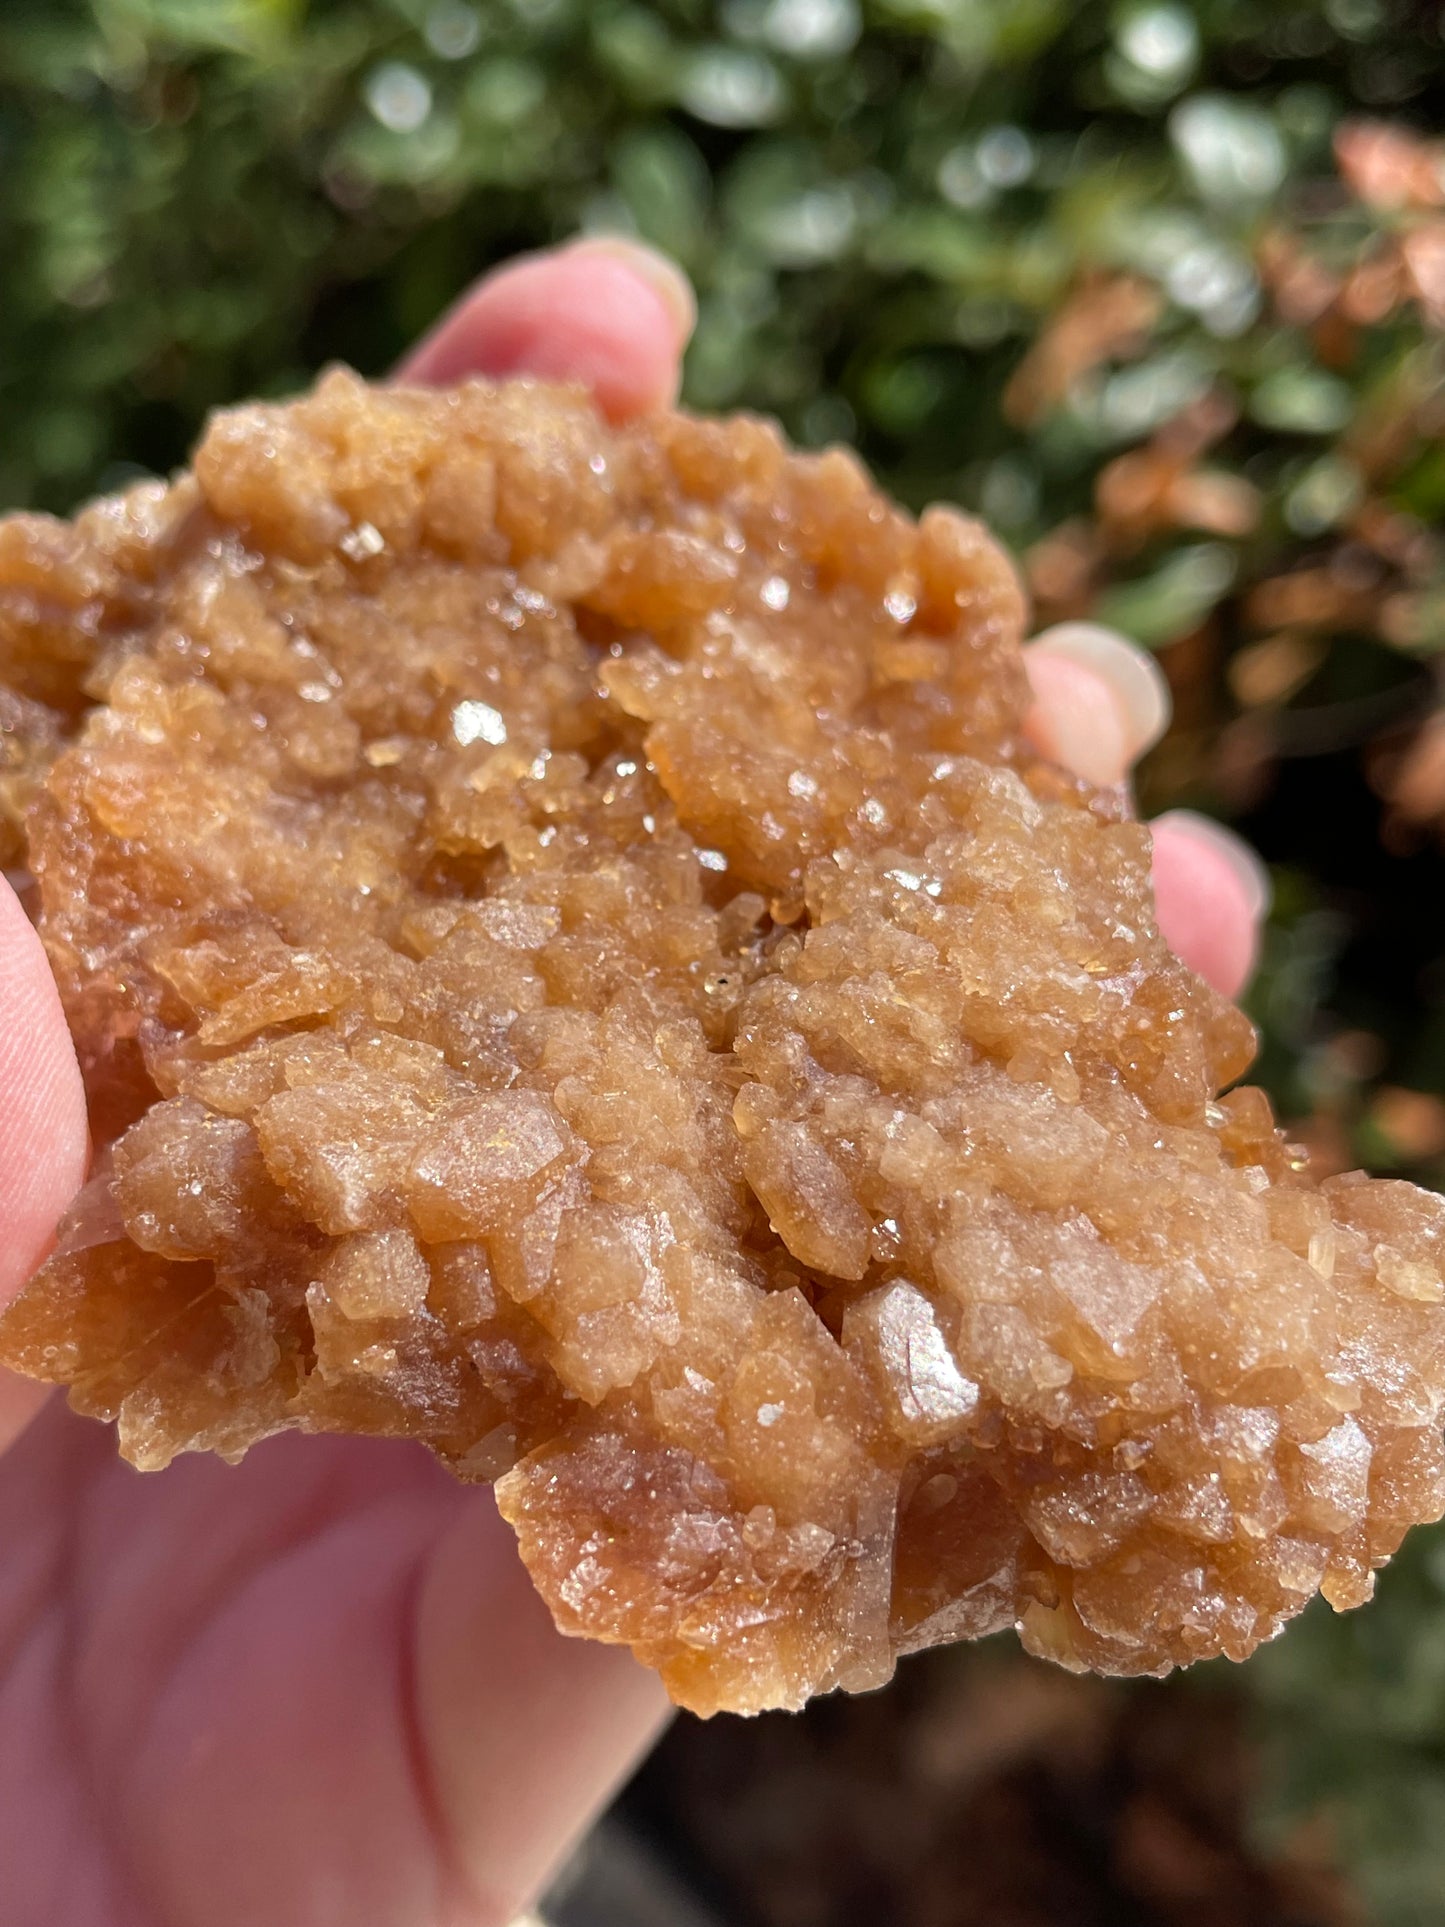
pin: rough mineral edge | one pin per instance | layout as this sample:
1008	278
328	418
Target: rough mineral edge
572	963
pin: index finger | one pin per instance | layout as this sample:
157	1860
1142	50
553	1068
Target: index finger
608	312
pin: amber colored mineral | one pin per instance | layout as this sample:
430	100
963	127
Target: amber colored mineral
573	963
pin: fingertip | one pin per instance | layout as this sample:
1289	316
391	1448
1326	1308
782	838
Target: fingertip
1211	893
660	272
1132	675
1247	867
1077	719
43	1141
607	312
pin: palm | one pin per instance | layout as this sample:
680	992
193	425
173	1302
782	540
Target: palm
209	1703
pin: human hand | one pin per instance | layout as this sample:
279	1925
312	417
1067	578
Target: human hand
318	1688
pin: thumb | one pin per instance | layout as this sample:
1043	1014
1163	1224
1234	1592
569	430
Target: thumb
43	1147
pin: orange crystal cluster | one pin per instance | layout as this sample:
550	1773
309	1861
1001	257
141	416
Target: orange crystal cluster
573	963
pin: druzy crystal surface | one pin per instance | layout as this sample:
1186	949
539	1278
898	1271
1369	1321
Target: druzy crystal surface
573	963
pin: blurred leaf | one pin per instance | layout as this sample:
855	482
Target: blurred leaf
1159	607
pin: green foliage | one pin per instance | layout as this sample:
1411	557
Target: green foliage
881	206
895	212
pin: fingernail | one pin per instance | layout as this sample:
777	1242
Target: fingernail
1232	850
663	276
1133	675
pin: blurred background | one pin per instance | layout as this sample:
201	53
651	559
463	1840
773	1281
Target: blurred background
1158	287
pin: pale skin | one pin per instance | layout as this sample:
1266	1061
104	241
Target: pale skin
317	1690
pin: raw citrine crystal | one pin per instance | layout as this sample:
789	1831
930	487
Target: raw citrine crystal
573	963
